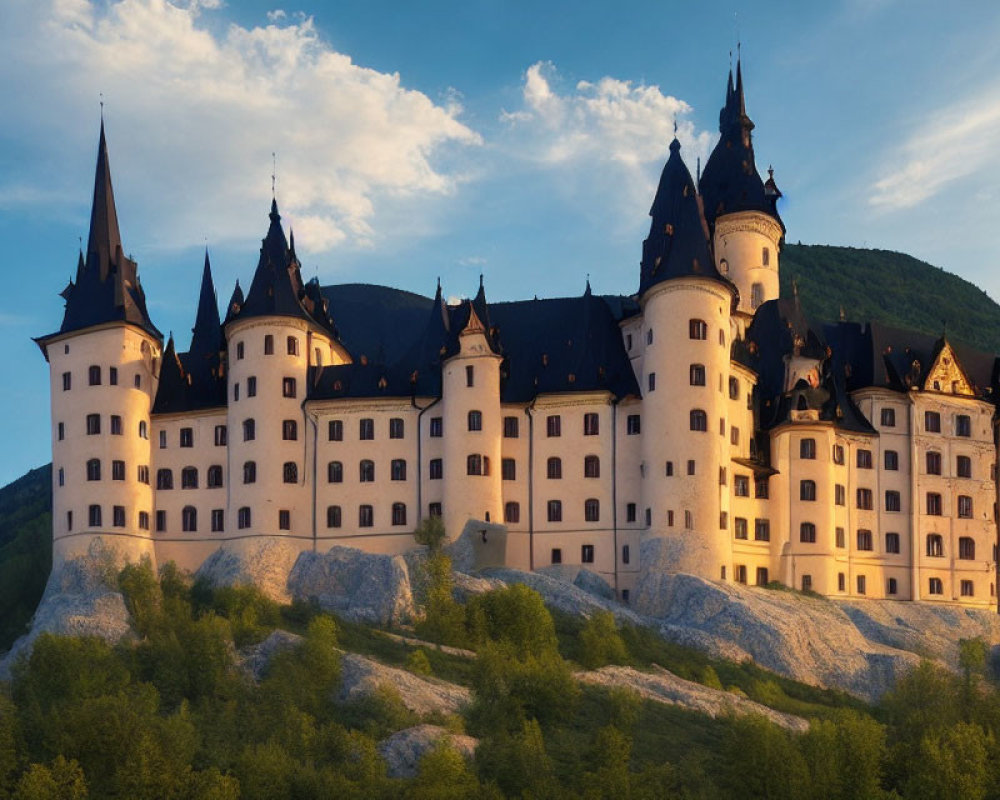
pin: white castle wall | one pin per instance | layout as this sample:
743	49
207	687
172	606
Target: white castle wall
741	240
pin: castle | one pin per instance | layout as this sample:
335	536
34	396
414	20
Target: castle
703	413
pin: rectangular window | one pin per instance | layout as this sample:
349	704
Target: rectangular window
741	485
335	430
143	474
67	381
633	426
397	469
841	537
218	520
864	539
187	437
964	506
892	501
691	466
761	488
963	467
963	425
862	587
163	440
841	582
284	520
470	375
117	470
762	579
630	512
93	424
891	460
652	381
366	516
118	516
933	463
670	468
137	381
434	469
116	425
591	424
932	422
891	586
161	521
864	459
838	454
143	520
436	427
240	351
289	430
61	428
508	469
511	426
840	494
892	543
292	345
934	504
888	418
556	557
555	510
807	533
734	435
865	500
366	429
288	387
396	428
221	435
761	530
734	388
739	528
967	590
553	425
94	516
333	517
587	554
252	386
268	345
511	512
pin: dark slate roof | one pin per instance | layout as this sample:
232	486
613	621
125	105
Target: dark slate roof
561	345
171	394
277	288
678	244
376	319
730	181
106	287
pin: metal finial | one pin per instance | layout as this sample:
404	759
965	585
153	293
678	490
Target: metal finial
675	128
274	170
101	94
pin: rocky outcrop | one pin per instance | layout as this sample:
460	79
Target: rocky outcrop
361	676
403	750
662	686
355	585
255	660
264	563
80	599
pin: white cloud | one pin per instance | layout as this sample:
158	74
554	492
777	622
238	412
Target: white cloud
194	110
953	143
609	120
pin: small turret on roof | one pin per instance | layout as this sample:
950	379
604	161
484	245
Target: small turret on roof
235	303
106	287
206	336
172	390
678	244
277	288
730	181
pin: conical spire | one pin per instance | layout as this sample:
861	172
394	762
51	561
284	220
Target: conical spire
206	338
235	302
171	393
104	243
677	245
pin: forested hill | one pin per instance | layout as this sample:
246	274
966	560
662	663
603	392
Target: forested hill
892	288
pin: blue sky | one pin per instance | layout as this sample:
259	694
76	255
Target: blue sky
417	140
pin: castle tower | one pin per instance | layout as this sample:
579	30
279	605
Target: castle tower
103	368
741	210
274	337
686	308
473	424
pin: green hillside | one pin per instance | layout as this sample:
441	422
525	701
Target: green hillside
891	288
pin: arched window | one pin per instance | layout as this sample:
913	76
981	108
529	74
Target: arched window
697	374
250	472
555	510
290	471
591	467
756	294
807	533
164	479
94	374
333	516
189	478
289	430
475	420
554	468
214	476
367	471
967	548
249	430
335	472
699	420
143	429
807	490
698	329
935	545
807	448
243	517
592	510
94	469
724	267
399	513
474	465
189	519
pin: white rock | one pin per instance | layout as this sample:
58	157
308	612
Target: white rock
361	676
255	660
403	750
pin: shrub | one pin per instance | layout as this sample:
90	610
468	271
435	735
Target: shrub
600	642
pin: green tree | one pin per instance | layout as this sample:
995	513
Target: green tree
515	615
63	780
610	776
762	760
444	619
951	762
430	533
600	642
518	763
443	774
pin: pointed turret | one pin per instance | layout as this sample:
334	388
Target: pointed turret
677	245
206	336
106	287
235	303
277	288
730	181
171	394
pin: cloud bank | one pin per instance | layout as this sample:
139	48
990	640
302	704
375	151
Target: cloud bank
195	108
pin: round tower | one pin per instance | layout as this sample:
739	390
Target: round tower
473	424
740	209
103	367
273	338
686	307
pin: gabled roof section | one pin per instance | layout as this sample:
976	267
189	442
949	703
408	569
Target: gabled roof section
946	373
678	244
277	289
730	181
106	287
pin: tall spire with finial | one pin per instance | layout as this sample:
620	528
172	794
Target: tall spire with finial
206	338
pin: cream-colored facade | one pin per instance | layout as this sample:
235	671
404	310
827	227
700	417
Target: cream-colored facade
752	474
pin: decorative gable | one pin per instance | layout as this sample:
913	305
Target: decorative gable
946	374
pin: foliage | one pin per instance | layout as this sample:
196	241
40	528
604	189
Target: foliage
418	663
444	619
430	533
600	642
